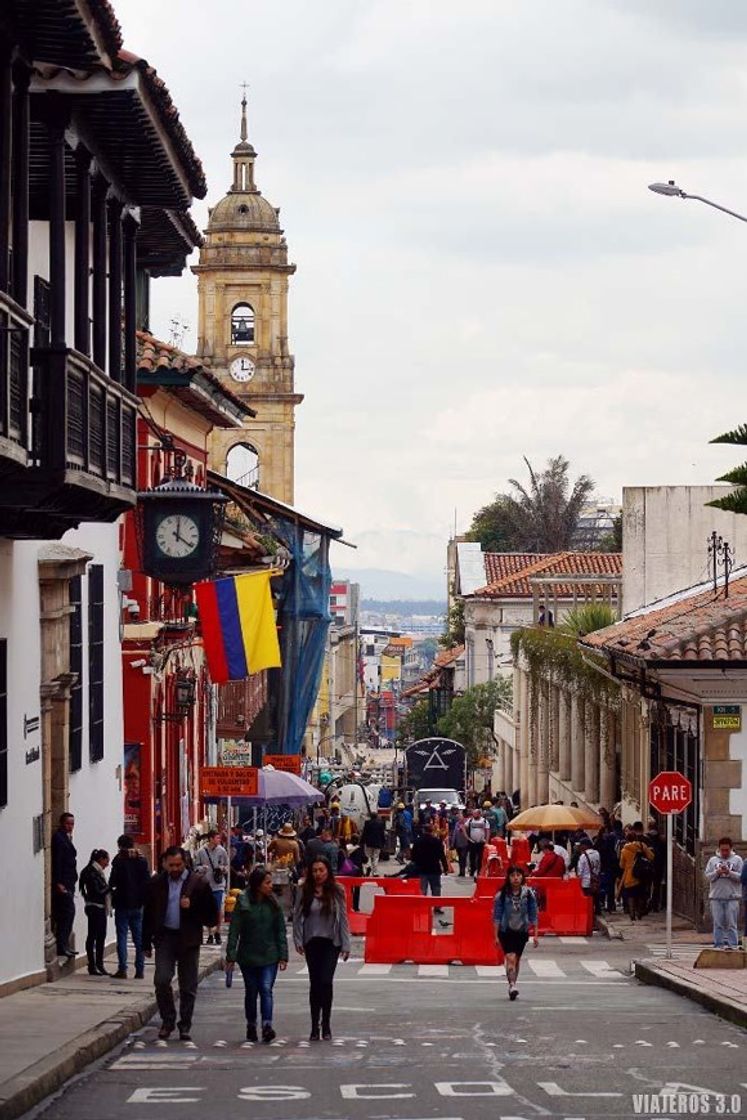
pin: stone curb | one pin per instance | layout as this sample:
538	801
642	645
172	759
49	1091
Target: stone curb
726	1008
30	1087
608	929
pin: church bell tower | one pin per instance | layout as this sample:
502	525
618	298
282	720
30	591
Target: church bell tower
242	284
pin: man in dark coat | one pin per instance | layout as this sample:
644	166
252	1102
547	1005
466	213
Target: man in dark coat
178	904
373	839
64	878
129	879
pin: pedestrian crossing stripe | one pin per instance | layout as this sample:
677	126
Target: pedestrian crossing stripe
542	968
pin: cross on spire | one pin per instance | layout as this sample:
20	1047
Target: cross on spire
245	87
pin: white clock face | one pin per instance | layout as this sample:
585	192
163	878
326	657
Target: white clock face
242	369
177	535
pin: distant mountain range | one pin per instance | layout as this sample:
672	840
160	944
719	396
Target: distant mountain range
378	583
428	607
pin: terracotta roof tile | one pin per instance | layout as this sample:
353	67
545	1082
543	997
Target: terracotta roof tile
693	626
154	355
441	661
515	584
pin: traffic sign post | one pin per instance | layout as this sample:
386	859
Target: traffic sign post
670	792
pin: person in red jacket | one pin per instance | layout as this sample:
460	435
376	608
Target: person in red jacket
552	865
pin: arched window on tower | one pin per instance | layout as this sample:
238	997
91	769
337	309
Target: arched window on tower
242	465
242	325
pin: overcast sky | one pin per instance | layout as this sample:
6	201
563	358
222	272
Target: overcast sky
482	273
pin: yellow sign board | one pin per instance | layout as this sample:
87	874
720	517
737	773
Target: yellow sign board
727	717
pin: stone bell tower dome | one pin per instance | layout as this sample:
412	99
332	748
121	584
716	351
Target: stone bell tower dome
242	284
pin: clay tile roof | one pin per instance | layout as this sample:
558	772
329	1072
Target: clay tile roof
154	355
516	583
442	660
694	625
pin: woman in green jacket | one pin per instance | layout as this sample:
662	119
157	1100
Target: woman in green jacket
257	941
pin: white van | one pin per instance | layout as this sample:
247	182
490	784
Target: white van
436	796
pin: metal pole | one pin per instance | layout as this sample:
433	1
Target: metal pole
669	885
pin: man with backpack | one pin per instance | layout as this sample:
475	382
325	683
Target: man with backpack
212	862
588	869
636	872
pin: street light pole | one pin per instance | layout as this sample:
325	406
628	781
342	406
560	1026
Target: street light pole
671	190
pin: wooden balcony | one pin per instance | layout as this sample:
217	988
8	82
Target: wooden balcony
80	450
15	325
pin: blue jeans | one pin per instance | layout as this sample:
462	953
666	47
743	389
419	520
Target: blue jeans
218	896
725	914
432	881
132	921
258	981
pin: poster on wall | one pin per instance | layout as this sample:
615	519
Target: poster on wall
133	821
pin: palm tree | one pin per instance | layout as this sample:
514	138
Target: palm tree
735	502
547	511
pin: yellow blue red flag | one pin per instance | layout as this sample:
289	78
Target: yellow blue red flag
237	619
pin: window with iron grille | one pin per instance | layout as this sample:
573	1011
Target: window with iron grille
75	741
96	662
678	748
3	722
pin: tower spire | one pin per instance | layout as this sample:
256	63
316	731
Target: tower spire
244	132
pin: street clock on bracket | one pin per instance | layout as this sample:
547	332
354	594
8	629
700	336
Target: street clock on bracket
179	528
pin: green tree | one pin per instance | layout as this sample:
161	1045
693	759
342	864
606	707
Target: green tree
416	724
736	502
613	541
587	618
469	720
453	635
538	517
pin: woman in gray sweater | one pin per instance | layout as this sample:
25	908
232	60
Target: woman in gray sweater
321	933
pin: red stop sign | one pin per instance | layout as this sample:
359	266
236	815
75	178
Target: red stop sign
670	792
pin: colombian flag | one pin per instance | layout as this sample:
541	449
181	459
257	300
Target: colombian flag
238	626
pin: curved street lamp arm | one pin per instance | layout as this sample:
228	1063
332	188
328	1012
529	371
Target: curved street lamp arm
715	205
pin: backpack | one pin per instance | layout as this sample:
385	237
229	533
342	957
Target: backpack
643	868
593	874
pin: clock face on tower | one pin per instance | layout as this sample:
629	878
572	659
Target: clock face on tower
177	535
242	369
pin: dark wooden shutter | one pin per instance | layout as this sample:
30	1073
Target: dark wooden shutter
96	662
75	749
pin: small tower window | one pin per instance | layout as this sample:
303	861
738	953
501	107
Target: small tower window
242	465
242	325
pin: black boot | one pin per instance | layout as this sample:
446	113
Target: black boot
314	1036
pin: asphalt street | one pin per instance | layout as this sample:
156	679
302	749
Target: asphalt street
583	1040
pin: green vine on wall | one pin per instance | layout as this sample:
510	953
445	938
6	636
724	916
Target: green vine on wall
554	657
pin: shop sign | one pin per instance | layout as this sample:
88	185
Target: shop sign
727	717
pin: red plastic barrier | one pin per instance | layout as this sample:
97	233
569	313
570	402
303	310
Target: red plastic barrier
357	920
402	929
501	847
520	851
564	909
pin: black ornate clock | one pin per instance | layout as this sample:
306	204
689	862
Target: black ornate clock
180	526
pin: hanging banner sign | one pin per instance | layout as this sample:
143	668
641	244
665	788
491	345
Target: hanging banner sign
290	763
727	717
229	781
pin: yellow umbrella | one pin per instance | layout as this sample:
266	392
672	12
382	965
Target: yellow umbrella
548	818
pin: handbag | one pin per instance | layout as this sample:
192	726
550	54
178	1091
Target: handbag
218	873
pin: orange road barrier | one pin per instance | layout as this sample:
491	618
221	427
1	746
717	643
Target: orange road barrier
564	909
402	929
395	886
520	851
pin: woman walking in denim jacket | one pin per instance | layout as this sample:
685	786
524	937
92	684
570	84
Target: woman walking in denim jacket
515	919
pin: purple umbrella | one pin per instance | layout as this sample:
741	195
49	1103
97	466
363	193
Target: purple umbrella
280	787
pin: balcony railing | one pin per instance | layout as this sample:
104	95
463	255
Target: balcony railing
15	325
85	422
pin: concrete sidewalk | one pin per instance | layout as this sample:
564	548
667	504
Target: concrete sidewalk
723	991
51	1032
